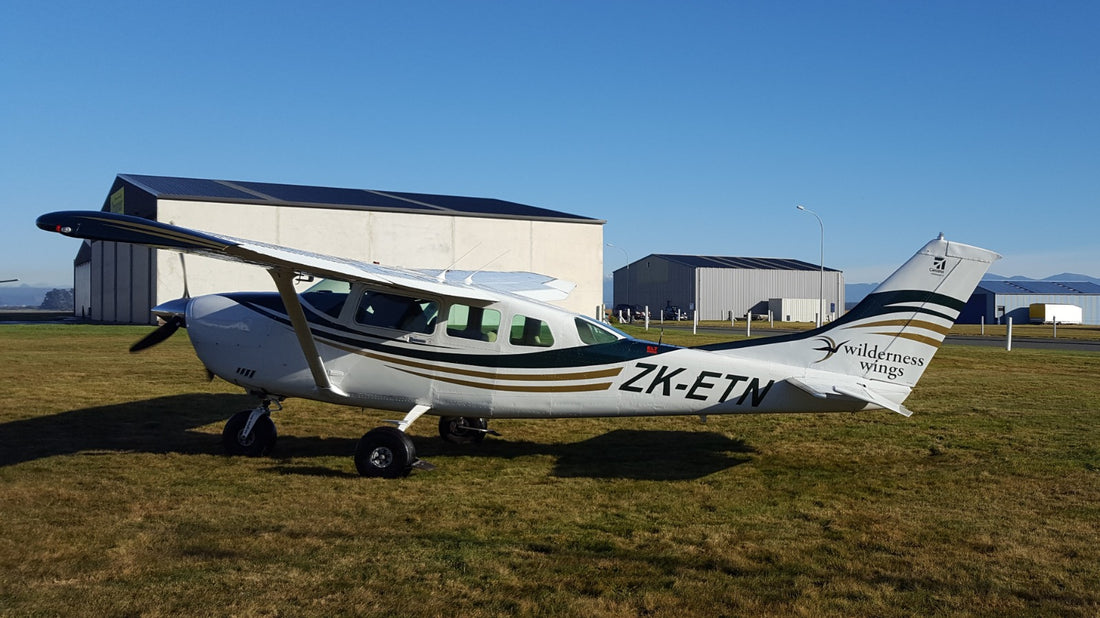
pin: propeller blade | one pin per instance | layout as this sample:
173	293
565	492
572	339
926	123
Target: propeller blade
164	331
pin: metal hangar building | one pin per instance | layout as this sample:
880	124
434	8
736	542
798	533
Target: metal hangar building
996	301
718	285
120	283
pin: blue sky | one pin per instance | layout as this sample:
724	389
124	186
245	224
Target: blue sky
691	127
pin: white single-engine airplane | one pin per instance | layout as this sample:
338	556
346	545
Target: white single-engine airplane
474	346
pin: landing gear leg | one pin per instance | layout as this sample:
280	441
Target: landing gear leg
388	452
251	432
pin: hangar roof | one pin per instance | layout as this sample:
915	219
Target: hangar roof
1040	287
746	263
272	194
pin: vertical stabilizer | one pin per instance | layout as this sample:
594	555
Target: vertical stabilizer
893	333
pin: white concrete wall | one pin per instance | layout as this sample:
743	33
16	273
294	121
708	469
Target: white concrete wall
572	251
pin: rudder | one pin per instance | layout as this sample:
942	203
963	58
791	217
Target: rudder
893	333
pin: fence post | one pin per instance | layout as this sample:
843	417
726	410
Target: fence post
1055	318
748	324
647	317
694	321
1008	339
983	326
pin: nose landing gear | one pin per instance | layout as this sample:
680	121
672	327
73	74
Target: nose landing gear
251	433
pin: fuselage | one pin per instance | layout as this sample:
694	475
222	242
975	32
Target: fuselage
508	359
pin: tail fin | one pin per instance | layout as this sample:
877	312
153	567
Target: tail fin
890	336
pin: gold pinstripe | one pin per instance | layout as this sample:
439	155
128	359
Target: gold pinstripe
935	343
936	328
488	375
514	388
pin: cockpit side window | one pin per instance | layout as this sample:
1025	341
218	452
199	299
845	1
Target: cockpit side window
477	323
592	333
384	310
530	332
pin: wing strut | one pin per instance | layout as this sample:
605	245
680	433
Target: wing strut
284	281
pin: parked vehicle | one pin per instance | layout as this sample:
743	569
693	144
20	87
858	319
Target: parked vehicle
672	312
628	313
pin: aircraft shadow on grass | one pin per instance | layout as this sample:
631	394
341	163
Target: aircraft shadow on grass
167	424
160	425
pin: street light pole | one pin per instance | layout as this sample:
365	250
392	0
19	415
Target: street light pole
627	256
821	275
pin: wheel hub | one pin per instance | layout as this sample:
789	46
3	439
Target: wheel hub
381	457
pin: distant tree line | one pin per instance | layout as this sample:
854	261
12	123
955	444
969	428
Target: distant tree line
58	300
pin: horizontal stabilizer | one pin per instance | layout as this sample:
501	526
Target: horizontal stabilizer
822	389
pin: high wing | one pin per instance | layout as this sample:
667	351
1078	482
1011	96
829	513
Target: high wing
481	286
284	264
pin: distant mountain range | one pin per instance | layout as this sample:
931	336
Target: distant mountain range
854	292
1061	277
22	295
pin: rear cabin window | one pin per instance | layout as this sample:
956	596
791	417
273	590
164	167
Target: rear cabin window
592	333
383	310
328	296
530	332
475	323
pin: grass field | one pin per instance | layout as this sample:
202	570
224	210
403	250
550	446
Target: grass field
116	500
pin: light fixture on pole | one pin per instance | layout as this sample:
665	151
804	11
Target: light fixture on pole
821	276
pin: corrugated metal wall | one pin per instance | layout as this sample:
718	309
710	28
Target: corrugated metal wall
118	281
658	283
722	290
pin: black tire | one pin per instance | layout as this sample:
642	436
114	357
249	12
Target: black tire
256	444
462	429
385	452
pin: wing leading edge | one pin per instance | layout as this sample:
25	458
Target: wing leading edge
479	286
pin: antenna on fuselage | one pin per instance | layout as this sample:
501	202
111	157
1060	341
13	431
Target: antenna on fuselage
470	278
442	276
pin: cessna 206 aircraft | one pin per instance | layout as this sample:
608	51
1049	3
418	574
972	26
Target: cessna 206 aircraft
468	347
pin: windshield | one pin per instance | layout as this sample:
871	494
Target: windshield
330	285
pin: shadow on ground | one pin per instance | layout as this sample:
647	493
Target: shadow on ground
166	425
150	426
624	453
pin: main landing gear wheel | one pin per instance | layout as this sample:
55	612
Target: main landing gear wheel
462	429
385	452
255	443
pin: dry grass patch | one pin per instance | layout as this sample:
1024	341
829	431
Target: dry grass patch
116	500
